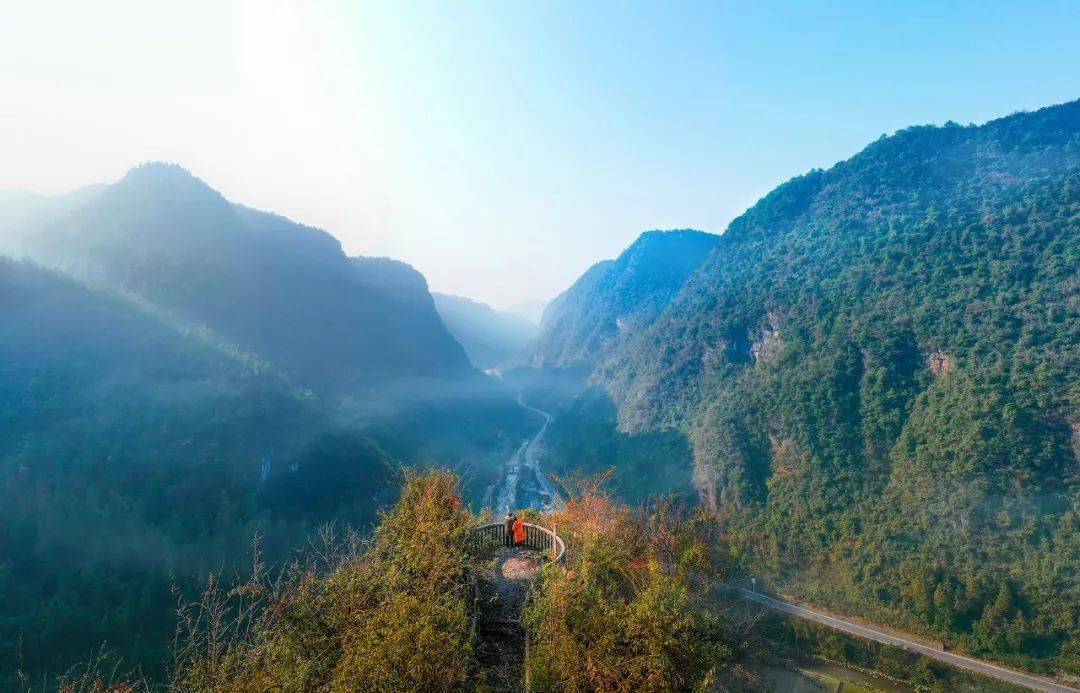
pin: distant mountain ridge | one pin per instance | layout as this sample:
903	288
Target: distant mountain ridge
490	337
616	298
22	213
280	289
532	311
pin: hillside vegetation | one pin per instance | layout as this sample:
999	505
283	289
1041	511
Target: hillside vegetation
627	612
203	373
634	608
390	614
878	369
131	453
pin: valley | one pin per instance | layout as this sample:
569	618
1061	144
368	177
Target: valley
158	346
522	484
864	391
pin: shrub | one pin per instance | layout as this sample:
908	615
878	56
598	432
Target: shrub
390	614
630	609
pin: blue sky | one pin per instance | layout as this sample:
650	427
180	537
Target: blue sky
502	147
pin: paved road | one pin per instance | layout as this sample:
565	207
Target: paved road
523	484
549	497
1037	683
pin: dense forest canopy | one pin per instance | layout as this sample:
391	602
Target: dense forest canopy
131	453
877	368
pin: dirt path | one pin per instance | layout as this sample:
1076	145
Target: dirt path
502	583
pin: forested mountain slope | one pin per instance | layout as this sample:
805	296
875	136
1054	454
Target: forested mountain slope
282	291
878	368
490	337
616	298
205	374
604	310
131	453
22	213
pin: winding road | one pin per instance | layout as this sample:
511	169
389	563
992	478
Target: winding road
522	484
978	666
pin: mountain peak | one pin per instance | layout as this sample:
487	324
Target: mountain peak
158	171
166	177
674	233
656	237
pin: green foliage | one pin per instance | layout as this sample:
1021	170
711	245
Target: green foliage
629	609
131	454
877	368
797	640
390	616
135	459
584	439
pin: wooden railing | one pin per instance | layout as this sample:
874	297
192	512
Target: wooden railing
487	537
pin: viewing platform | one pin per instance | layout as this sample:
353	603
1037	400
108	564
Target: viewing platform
502	576
486	538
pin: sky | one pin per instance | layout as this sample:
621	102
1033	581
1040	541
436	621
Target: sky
503	147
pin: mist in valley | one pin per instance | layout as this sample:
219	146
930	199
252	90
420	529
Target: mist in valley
275	277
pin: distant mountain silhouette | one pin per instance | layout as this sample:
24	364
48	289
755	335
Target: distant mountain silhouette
23	213
532	311
490	337
616	298
279	289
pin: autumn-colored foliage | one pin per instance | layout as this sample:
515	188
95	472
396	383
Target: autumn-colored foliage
389	614
630	609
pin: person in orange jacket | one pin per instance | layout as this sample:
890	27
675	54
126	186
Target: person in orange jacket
519	531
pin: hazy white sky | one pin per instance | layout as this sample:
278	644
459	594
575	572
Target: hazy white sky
502	147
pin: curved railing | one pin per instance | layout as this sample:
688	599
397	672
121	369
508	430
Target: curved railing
488	537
